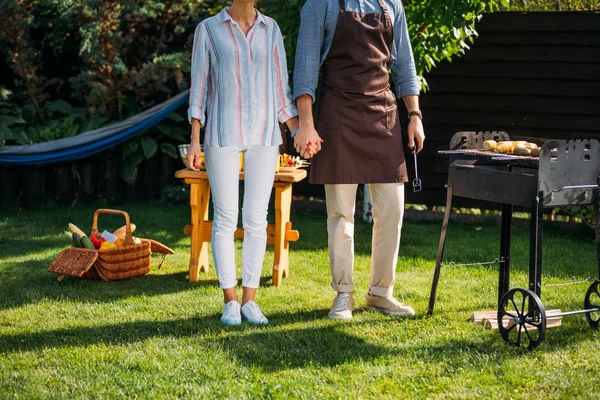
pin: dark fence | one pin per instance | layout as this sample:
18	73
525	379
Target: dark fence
534	75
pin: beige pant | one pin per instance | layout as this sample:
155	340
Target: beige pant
388	210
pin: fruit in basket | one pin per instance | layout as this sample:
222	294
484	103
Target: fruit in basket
535	152
531	145
522	151
504	147
490	145
519	143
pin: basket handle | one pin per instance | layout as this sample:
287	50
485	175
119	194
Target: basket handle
128	236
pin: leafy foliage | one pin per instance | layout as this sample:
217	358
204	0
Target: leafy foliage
123	57
552	5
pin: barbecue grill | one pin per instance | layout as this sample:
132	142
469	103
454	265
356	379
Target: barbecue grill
567	173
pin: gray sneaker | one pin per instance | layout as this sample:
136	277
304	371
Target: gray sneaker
342	306
388	305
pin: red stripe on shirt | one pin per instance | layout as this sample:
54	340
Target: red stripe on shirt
262	136
279	83
239	79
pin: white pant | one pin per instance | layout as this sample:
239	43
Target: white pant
222	165
388	211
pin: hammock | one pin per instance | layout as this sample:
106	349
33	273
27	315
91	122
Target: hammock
91	142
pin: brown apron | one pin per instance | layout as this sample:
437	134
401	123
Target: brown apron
357	116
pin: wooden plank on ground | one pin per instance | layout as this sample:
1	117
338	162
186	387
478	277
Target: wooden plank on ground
490	321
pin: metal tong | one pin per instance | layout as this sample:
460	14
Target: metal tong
417	184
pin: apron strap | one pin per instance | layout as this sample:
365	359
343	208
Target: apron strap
382	5
342	5
384	9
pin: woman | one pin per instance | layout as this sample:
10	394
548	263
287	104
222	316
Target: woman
240	91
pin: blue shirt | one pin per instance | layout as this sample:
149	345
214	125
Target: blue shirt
240	81
319	20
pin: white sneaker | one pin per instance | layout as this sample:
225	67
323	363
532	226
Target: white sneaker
231	313
342	306
252	314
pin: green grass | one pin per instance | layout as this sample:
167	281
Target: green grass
158	336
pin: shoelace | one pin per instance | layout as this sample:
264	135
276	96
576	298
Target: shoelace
231	312
394	301
342	301
256	311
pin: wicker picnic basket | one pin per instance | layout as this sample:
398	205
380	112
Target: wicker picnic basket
120	262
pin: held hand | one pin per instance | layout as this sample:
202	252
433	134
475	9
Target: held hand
307	142
416	134
193	156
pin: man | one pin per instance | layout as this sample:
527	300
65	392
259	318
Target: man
358	137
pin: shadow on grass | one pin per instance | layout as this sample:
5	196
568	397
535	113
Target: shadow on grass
274	350
28	282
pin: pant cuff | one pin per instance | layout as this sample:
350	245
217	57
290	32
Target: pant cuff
343	288
381	291
228	285
251	285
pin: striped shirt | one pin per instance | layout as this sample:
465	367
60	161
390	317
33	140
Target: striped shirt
240	86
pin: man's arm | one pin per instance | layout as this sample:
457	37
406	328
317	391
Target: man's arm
306	74
405	79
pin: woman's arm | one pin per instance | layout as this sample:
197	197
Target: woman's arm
286	107
199	74
198	94
293	124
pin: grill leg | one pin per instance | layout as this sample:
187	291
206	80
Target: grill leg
440	254
597	224
535	249
505	242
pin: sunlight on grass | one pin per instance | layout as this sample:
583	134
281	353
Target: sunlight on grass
158	336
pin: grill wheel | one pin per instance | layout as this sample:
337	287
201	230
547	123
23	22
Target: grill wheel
522	318
592	300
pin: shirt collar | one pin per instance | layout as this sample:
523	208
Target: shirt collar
226	17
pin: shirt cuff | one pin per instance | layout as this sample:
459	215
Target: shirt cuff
408	89
194	112
288	113
299	91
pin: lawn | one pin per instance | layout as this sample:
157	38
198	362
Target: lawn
159	336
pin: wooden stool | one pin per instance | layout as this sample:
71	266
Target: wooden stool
278	235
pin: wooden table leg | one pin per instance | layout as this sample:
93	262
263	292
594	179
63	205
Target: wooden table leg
283	205
199	199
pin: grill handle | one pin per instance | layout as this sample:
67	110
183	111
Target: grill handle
577	187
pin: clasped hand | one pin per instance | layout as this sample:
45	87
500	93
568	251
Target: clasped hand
307	142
